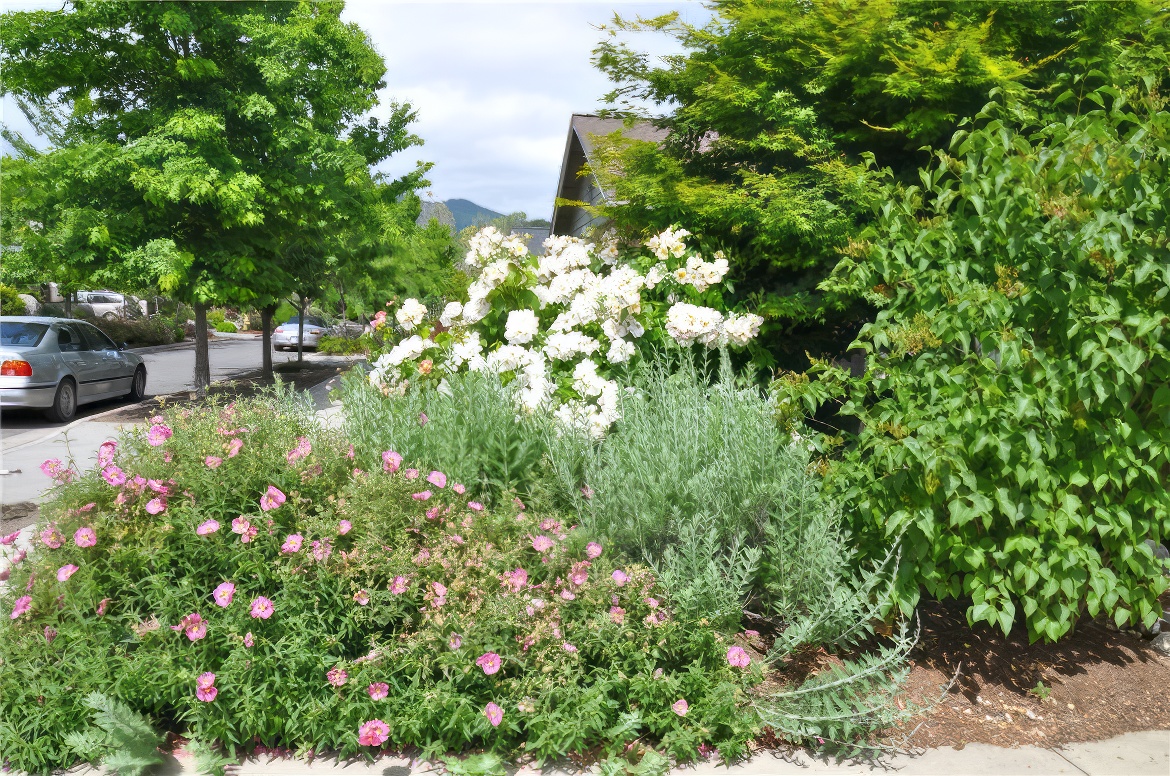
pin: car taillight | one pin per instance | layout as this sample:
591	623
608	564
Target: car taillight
315	331
16	369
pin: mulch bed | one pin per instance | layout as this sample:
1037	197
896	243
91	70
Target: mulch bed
1100	683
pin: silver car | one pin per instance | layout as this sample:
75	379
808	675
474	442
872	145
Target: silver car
285	336
56	364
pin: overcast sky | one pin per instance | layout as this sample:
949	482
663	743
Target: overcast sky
494	85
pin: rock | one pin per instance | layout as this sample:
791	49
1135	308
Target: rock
1162	643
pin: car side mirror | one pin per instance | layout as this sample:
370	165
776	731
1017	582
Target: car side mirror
121	346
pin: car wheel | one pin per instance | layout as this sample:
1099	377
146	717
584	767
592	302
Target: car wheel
138	384
64	402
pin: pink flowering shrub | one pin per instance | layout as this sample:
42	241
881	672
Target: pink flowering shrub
438	624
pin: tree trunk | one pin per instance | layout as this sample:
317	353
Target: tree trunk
202	362
68	304
266	314
301	333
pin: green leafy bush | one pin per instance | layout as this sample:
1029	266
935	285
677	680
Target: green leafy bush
344	346
140	332
502	630
1015	412
10	301
226	327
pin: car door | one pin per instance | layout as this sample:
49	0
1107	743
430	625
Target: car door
83	363
113	368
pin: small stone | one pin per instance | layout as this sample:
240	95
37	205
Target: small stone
979	699
1071	706
1162	643
1008	717
966	711
987	717
1031	714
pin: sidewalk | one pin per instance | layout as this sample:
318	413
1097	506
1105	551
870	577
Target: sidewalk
1133	754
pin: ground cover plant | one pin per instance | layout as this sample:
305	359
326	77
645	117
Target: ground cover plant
232	574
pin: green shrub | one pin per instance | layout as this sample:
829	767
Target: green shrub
344	346
226	327
10	301
1015	412
215	316
470	430
140	332
386	587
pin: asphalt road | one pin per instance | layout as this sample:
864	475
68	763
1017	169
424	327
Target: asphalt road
167	371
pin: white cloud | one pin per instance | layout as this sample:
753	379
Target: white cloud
494	85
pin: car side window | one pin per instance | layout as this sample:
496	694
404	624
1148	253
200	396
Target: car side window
97	338
67	340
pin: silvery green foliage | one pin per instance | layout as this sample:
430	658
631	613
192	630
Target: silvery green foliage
120	736
470	430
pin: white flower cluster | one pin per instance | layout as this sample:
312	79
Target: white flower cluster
591	313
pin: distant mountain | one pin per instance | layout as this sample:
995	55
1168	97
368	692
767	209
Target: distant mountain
467	213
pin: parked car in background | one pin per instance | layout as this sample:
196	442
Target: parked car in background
285	336
109	304
57	364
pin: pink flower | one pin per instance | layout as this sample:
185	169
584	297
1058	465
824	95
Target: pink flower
223	594
193	625
373	733
586	491
737	657
261	608
155	505
579	574
680	707
207	527
651	602
51	537
205	680
50	634
249	640
206	694
87	507
455	642
361	597
57	470
157	419
212	461
438	479
751	634
157	486
398	586
349	455
617	614
378	691
114	476
85	537
272	499
421	496
423	419
158	434
106	453
516	580
344	527
411	474
20	606
391	461
292	544
478	507
542	543
241	525
233	447
489	662
568	595
302	449
494	714
337	676
568	647
433	512
9	539
592	550
65	572
620	578
322	550
458	488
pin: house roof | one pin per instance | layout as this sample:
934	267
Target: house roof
584	128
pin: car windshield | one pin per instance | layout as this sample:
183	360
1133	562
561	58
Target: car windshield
22	335
295	321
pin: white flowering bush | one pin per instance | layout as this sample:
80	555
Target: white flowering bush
561	326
